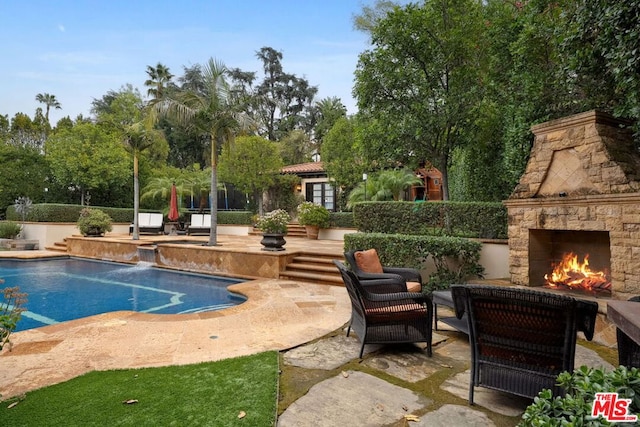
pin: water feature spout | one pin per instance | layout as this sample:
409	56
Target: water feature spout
147	254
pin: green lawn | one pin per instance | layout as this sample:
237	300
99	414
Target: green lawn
206	394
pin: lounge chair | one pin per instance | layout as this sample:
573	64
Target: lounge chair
379	317
149	223
199	224
366	266
521	339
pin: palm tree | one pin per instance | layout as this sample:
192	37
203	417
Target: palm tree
159	76
397	180
387	185
138	137
210	112
50	101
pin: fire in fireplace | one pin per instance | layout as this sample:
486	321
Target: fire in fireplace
570	260
573	274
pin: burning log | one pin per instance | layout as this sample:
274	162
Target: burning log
573	275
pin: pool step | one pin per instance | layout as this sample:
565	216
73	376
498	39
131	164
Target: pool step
58	246
315	268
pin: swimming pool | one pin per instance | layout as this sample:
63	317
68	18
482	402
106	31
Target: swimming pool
64	289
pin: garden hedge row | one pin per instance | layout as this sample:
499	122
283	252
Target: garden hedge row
50	212
464	219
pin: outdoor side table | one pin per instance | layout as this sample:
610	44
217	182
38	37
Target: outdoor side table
626	316
445	298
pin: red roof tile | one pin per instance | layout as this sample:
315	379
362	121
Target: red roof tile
304	168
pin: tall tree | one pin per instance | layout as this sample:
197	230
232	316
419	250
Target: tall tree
159	78
138	137
282	99
251	165
295	147
419	79
329	111
342	156
87	158
211	113
49	101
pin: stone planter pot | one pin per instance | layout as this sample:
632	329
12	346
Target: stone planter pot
312	231
273	241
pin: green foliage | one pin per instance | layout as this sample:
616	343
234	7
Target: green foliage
342	157
11	308
574	409
88	158
22	205
9	229
467	219
23	174
51	212
235	217
212	111
251	164
274	222
602	45
281	194
341	219
310	213
456	259
168	396
419	81
94	222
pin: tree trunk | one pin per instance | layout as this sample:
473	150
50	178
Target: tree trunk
213	234
136	199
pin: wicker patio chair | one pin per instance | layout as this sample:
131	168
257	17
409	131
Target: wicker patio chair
628	349
411	276
521	339
385	318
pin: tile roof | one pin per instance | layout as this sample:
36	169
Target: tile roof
304	168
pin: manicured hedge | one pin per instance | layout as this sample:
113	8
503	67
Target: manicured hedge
341	220
464	219
50	212
456	259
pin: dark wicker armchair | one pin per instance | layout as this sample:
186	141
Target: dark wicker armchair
521	339
628	349
411	276
383	318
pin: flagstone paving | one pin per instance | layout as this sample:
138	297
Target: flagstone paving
392	391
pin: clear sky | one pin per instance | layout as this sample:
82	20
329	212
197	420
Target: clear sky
78	50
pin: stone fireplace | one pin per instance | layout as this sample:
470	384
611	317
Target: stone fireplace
579	195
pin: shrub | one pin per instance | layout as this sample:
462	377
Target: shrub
462	219
9	230
341	219
313	214
274	222
456	259
235	217
10	312
94	222
574	409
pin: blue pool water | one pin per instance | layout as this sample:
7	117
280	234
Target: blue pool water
65	289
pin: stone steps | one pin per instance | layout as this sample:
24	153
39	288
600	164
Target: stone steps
293	230
315	268
58	246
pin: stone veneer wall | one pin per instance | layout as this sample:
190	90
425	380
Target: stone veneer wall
582	175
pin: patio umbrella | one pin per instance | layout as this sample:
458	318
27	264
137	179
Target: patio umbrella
173	204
